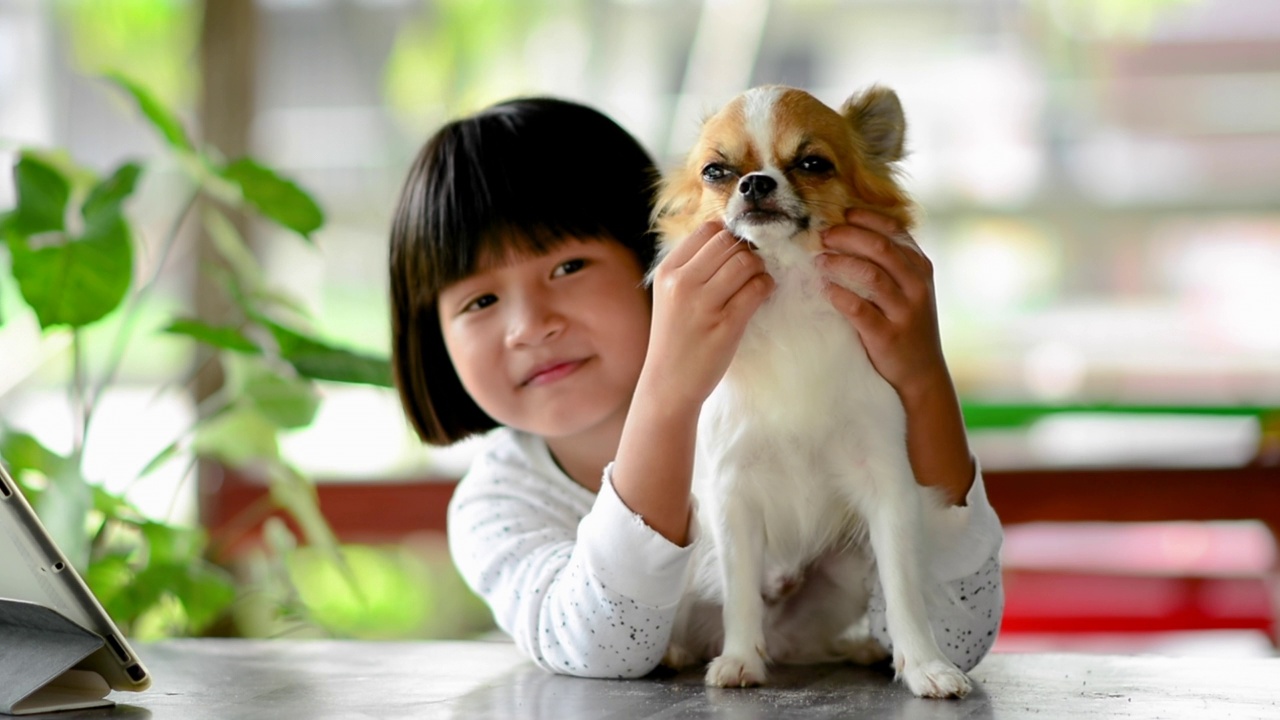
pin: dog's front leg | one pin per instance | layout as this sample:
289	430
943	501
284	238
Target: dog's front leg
740	538
895	523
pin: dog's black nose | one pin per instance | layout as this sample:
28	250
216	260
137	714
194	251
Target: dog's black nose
757	186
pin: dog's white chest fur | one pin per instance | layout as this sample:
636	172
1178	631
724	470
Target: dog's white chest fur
794	427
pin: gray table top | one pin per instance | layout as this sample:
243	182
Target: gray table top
286	679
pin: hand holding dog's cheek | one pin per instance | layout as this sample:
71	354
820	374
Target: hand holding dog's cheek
704	293
897	319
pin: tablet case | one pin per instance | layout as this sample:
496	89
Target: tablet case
38	649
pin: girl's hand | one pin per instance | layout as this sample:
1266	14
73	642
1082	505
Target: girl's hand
898	323
898	318
704	293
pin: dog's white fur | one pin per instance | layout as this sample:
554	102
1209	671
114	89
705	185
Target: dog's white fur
802	478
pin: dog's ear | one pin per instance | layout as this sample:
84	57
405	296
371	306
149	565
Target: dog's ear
876	115
674	212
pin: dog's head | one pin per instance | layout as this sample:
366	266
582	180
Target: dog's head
777	166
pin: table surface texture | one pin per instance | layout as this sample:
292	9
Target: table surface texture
286	679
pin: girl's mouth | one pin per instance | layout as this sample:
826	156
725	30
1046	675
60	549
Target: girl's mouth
548	374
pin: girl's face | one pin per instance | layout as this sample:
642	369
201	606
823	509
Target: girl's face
551	344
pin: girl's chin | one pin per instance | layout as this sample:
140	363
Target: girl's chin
577	421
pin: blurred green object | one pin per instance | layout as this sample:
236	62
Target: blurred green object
73	247
407	591
980	415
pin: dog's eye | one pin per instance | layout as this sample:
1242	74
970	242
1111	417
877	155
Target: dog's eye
815	164
715	172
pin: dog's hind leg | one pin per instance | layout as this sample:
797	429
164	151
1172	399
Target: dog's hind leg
741	544
820	621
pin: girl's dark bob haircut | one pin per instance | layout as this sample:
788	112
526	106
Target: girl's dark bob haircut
518	177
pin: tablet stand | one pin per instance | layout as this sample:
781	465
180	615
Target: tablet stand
39	648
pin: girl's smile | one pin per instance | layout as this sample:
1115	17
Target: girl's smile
551	372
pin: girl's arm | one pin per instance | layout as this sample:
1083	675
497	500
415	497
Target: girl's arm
704	292
898	324
582	585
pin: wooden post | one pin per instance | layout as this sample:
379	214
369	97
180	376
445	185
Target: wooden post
228	67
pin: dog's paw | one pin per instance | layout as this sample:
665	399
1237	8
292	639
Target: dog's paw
728	671
678	657
936	679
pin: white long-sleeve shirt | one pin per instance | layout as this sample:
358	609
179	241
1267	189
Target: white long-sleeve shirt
584	587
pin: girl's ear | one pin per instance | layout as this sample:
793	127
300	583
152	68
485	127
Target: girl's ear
877	118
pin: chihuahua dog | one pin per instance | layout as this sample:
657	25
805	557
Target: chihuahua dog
803	482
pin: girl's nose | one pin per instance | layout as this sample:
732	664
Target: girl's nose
534	323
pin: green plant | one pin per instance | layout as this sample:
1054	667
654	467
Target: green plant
72	247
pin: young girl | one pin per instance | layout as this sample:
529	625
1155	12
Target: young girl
519	308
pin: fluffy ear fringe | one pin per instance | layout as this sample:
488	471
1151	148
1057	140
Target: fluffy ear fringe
676	206
876	114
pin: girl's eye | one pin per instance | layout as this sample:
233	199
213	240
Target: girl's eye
480	303
569	267
815	164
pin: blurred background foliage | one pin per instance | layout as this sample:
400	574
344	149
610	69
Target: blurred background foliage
71	249
153	42
1098	180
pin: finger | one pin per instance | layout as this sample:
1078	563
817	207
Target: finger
686	249
749	297
715	253
875	247
869	281
873	221
890	228
737	268
867	319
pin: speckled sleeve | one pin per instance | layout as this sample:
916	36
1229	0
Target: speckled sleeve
967	605
583	587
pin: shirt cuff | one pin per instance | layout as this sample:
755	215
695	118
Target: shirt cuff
628	556
965	536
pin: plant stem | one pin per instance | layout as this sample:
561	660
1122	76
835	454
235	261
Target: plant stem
182	481
135	302
81	405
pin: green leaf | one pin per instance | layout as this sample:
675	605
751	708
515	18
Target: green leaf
110	577
278	537
225	337
22	452
206	591
295	494
65	501
320	361
161	117
288	402
275	197
168	453
238	437
43	193
103	203
78	282
63	508
114	506
231	246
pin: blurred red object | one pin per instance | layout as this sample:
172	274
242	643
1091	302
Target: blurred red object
1138	577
